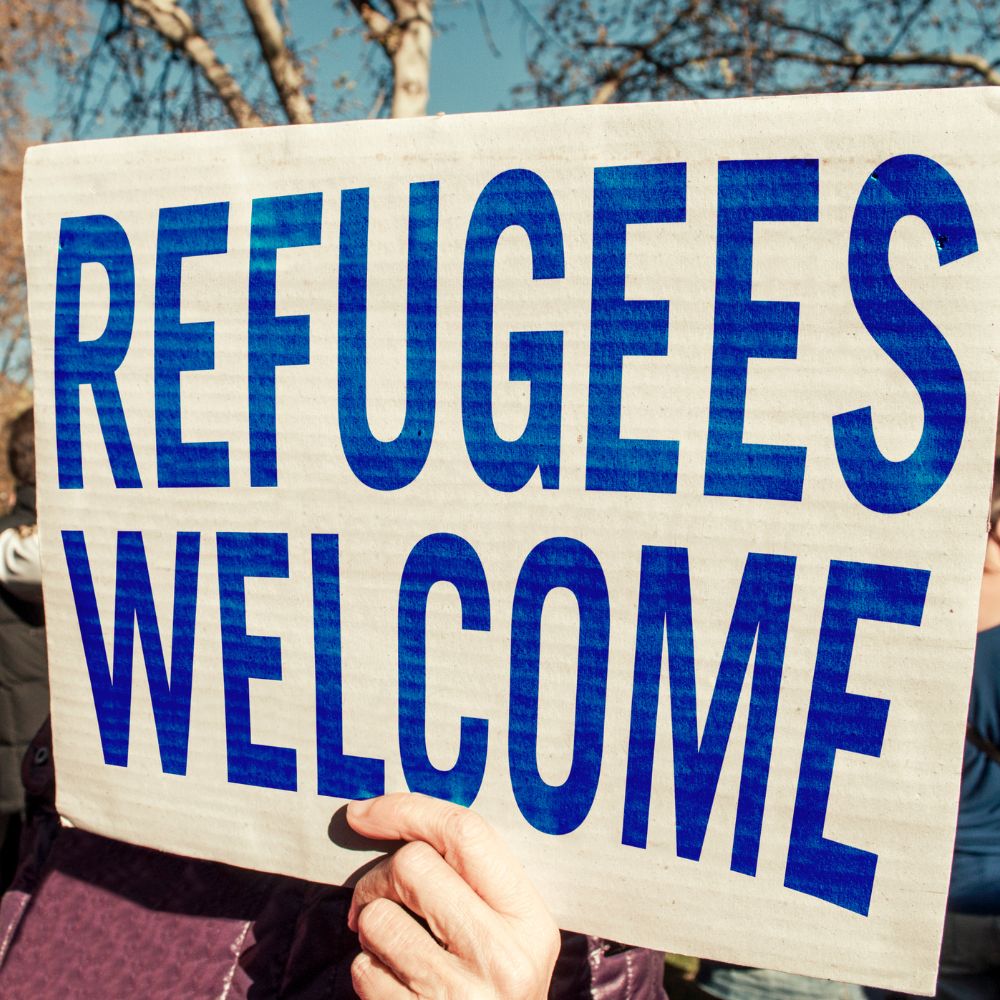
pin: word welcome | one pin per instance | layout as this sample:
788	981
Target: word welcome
837	719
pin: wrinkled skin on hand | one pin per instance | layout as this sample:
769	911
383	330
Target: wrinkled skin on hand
490	935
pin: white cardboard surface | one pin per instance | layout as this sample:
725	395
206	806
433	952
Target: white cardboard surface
899	805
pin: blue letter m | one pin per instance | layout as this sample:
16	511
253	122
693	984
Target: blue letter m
758	629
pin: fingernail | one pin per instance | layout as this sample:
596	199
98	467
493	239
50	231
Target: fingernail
358	809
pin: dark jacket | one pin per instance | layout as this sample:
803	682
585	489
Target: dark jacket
92	917
24	684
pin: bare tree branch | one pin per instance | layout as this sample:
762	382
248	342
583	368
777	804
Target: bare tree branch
858	60
286	73
610	85
606	50
173	23
377	23
617	75
484	24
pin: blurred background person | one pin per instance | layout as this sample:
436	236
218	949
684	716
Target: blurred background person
722	981
24	687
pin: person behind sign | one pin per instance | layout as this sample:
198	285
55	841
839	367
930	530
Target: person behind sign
24	692
970	949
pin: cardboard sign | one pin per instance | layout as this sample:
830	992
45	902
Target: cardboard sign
620	472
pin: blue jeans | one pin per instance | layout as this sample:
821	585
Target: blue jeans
730	982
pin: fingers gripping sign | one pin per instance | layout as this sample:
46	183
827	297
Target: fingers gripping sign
490	936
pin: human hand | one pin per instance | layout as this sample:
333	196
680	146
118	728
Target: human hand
492	935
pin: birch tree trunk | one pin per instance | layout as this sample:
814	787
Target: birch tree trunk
406	40
411	61
286	73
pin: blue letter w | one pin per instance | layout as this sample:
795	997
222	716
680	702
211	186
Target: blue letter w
171	695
